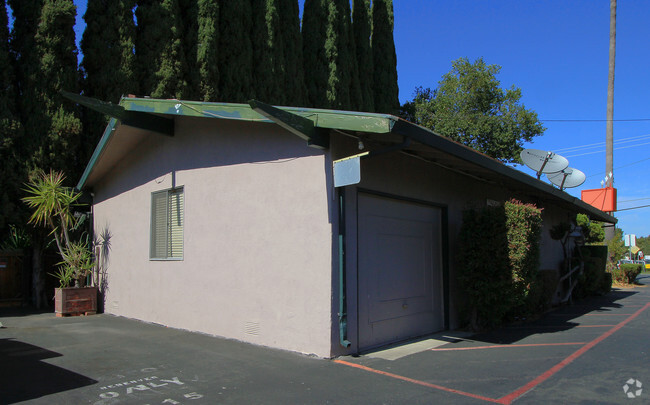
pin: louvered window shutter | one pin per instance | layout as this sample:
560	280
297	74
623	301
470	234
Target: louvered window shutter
167	224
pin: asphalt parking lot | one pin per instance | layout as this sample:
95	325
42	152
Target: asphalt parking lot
595	351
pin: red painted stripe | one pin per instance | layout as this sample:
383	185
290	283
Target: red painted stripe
506	346
549	373
411	380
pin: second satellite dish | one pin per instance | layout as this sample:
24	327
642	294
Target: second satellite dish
567	178
543	161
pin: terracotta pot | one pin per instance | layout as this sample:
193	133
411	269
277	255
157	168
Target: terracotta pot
75	301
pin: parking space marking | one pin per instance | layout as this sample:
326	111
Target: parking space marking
550	372
414	381
451	349
509	398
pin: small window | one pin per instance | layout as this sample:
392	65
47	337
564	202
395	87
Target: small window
167	225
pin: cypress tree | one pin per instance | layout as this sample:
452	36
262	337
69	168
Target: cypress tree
108	65
11	171
315	63
294	78
207	55
57	51
190	22
160	52
207	50
384	58
235	51
328	53
362	29
268	52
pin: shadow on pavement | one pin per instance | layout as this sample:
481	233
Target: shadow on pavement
24	375
557	320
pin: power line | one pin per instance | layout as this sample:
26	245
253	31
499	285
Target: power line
633	208
601	151
600	120
601	144
637	199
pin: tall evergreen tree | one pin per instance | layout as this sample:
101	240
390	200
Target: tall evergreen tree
384	58
362	30
294	78
235	51
190	34
160	51
11	171
315	63
328	53
268	52
108	64
207	51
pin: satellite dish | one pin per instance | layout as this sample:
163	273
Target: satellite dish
567	178
543	161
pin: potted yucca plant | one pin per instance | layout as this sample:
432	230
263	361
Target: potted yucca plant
52	204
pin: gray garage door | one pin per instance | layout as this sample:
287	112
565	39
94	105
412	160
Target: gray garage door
400	271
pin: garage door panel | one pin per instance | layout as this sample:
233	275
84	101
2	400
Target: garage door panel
399	270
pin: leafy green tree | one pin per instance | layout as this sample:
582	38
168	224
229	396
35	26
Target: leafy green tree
384	58
361	27
11	170
235	51
159	49
470	107
208	50
593	231
108	65
315	63
616	247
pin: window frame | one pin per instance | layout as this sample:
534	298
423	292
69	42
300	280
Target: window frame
168	239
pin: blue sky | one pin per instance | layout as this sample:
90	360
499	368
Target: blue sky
556	51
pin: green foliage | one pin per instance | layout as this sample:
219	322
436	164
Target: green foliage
328	54
18	239
593	231
627	273
235	51
361	27
294	75
500	263
524	224
208	50
616	246
108	65
160	49
470	107
594	278
78	262
384	58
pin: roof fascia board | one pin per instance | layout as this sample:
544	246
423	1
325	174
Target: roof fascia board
296	124
137	119
99	150
328	119
463	152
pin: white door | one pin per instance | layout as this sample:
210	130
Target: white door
400	270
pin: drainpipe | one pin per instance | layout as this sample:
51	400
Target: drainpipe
343	316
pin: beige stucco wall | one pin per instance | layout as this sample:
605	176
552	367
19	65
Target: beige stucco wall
257	261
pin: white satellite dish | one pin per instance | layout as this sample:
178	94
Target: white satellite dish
543	161
567	178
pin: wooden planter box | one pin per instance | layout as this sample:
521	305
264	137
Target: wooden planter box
75	301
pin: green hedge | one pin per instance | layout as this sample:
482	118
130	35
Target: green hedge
499	263
594	279
627	273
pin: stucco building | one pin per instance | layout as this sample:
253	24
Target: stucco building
229	219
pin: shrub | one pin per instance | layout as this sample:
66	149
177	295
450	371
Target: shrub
626	273
500	262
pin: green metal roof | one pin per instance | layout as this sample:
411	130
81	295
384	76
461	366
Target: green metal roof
154	115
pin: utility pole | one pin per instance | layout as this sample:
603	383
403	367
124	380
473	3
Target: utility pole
609	160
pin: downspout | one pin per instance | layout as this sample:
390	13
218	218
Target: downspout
343	307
